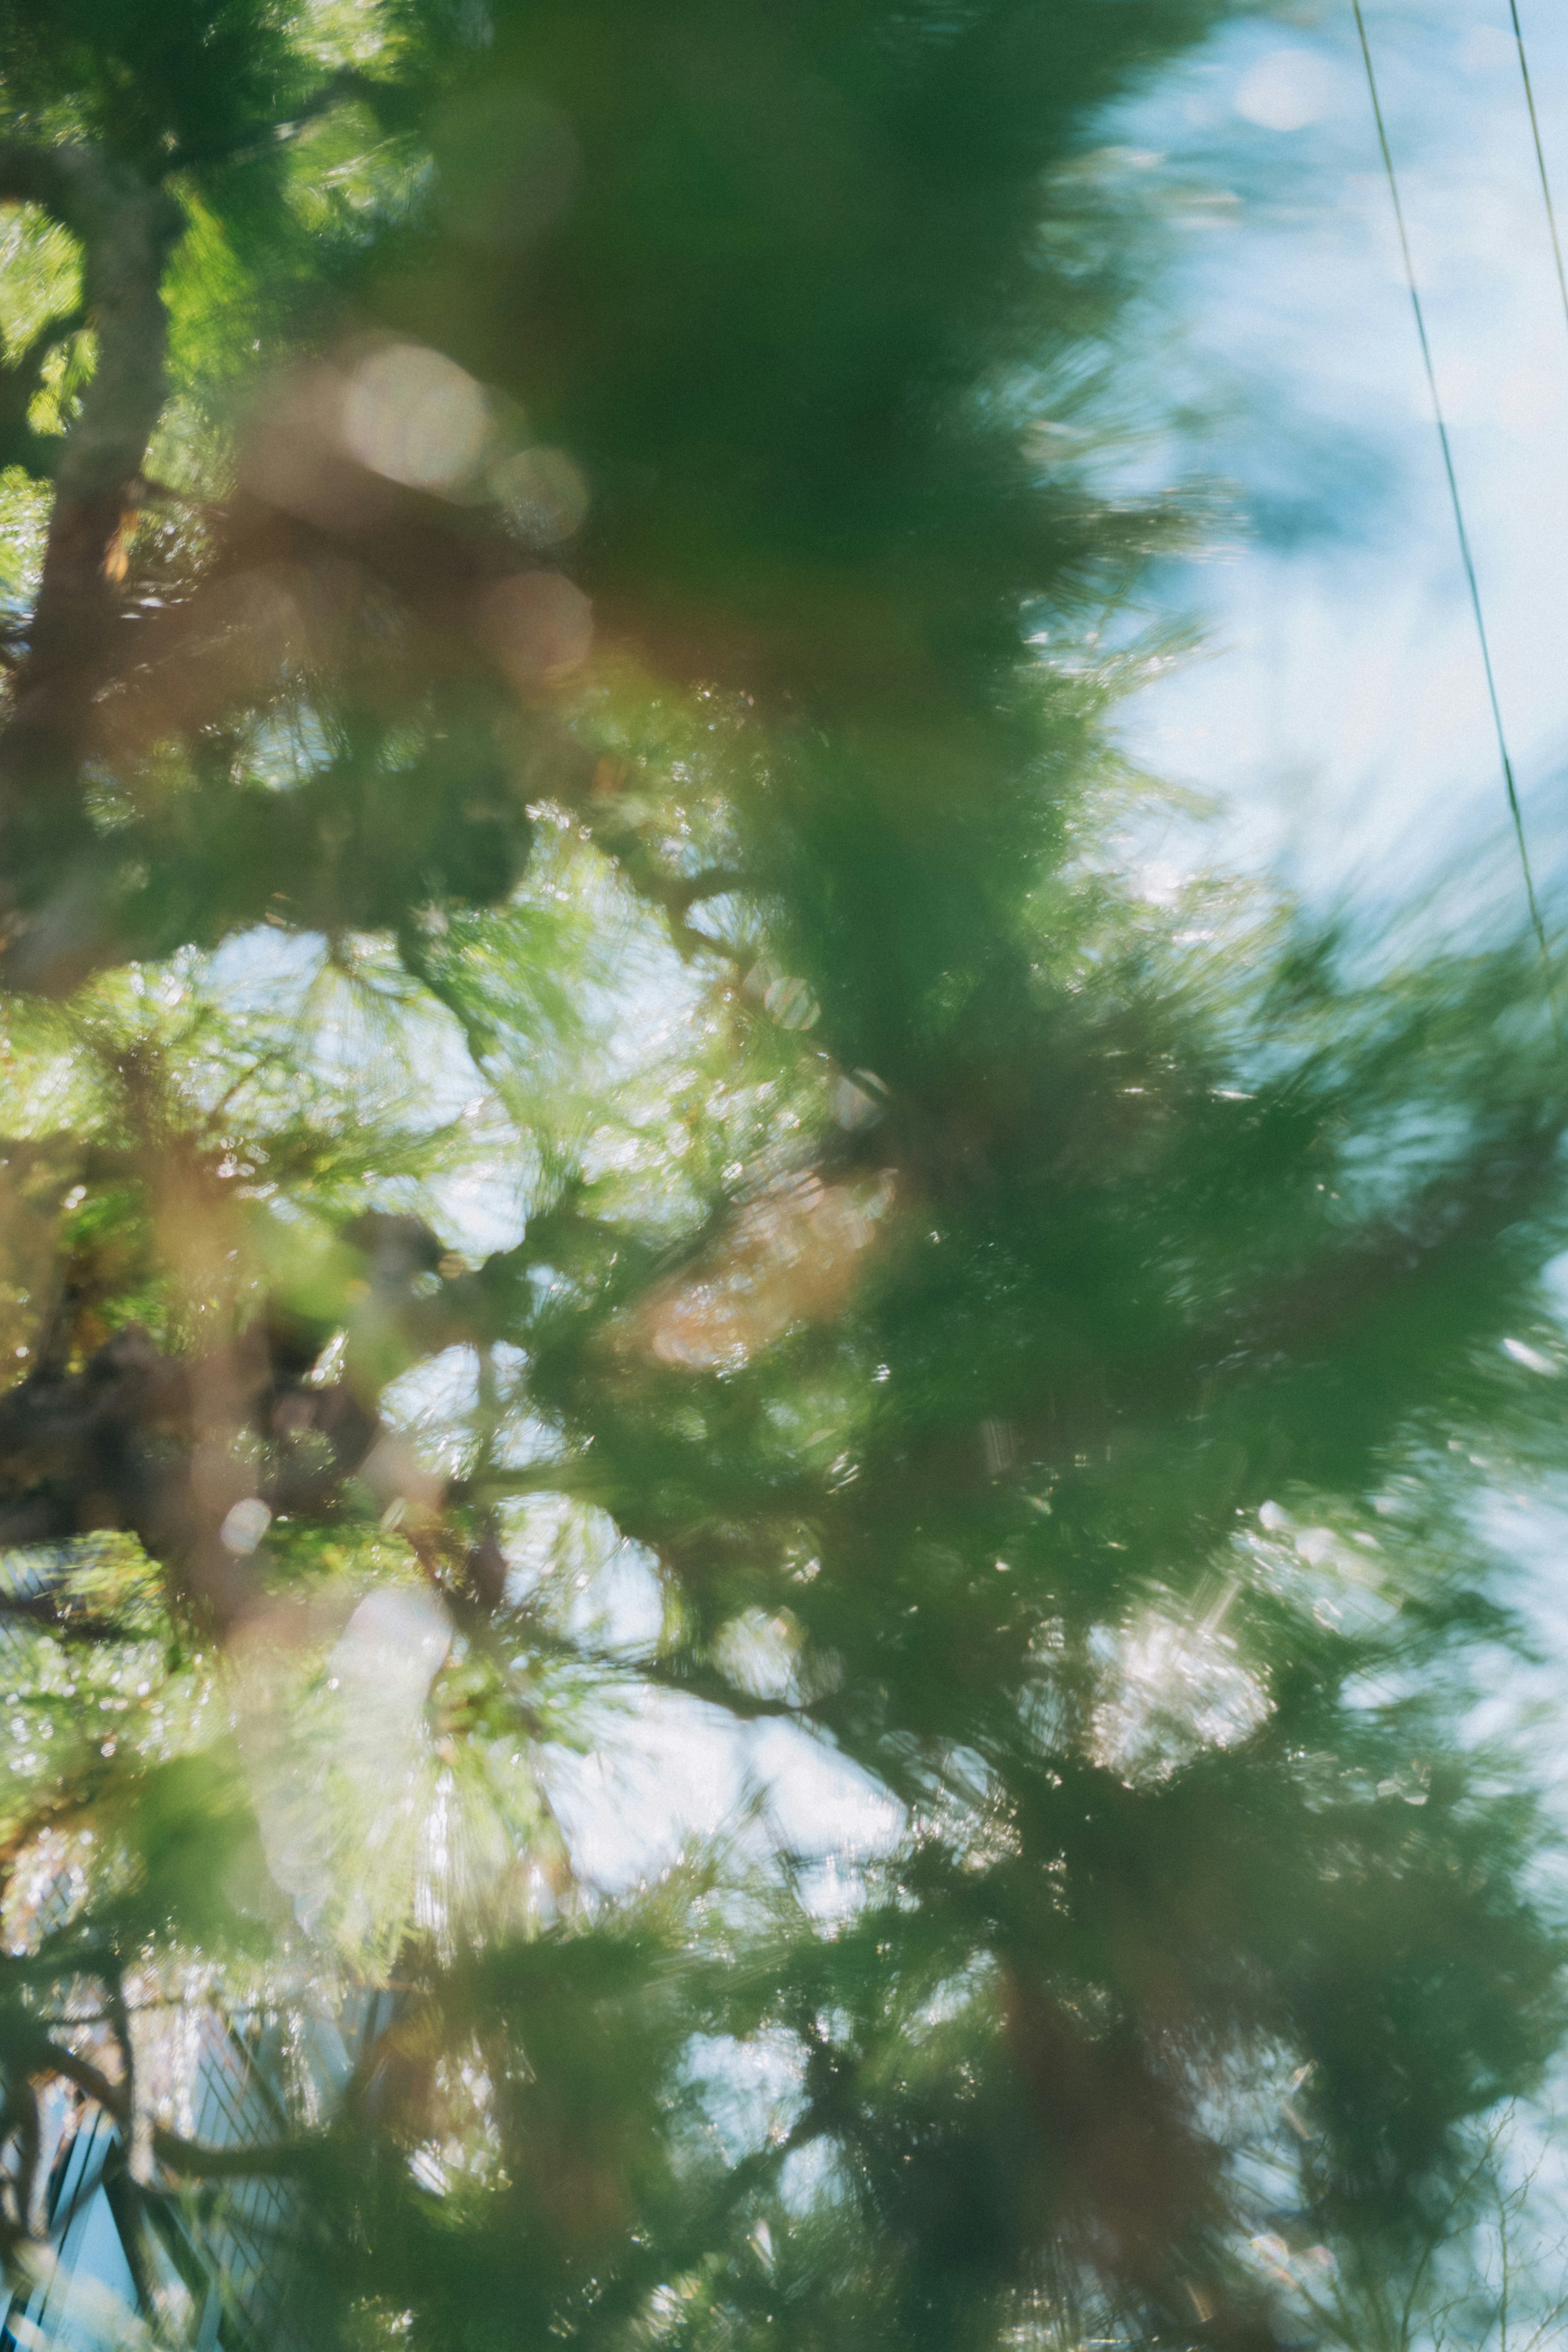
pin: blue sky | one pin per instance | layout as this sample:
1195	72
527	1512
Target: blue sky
1339	712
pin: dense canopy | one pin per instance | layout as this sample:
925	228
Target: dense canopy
609	1173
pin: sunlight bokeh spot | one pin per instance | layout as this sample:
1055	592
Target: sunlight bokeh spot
540	626
542	495
416	416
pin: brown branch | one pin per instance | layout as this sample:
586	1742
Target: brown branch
113	2098
29	2155
125	229
270	2161
176	2154
50	1617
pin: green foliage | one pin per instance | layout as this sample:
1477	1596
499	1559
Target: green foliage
678	1182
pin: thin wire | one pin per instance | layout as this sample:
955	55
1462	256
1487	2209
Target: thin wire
1464	537
1540	156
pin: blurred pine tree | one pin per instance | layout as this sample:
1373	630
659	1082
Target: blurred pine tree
557	665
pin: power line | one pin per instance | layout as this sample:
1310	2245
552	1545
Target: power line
1540	155
1464	536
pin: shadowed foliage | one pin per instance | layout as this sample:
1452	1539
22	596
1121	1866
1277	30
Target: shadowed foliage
608	1161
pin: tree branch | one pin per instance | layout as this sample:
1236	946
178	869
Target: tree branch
125	229
176	2154
345	85
270	2161
51	1616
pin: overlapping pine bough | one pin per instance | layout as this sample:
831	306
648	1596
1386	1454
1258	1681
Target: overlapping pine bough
936	1303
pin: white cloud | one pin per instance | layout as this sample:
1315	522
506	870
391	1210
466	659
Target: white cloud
1287	91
